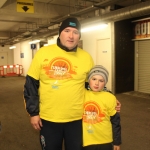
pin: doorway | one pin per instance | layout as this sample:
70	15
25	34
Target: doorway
124	57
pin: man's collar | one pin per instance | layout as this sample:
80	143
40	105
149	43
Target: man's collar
65	48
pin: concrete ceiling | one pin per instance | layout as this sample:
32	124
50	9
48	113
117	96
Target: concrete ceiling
17	23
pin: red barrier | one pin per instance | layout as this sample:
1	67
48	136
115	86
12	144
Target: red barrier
11	70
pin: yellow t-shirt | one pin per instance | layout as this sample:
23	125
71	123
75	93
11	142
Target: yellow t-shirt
62	77
98	107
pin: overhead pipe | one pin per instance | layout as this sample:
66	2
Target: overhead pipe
41	35
107	2
94	7
1	20
133	11
83	11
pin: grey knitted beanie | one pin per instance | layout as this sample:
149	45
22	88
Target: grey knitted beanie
99	70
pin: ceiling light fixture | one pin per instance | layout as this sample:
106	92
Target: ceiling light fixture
35	41
12	47
98	27
45	44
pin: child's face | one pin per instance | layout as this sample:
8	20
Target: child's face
97	83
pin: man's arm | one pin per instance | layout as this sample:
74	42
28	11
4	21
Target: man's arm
31	98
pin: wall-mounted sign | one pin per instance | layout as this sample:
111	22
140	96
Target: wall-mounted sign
22	55
141	29
25	6
33	46
104	51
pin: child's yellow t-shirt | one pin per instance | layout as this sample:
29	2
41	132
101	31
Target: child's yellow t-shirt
98	107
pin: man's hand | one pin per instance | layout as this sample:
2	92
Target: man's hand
36	122
116	147
118	107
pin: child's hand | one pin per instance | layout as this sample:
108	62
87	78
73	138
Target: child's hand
116	147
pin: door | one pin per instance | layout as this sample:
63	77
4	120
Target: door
124	57
144	66
103	57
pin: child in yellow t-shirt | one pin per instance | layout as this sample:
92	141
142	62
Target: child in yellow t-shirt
101	122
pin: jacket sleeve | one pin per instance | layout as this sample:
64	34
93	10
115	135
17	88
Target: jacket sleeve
31	96
86	85
116	128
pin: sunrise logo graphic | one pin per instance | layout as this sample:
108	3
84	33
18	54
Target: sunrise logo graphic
92	113
59	68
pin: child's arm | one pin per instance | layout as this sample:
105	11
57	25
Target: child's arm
116	128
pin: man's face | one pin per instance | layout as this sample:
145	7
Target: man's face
69	37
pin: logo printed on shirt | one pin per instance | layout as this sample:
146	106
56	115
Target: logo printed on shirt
92	113
59	68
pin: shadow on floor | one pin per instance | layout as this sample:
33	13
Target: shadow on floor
17	133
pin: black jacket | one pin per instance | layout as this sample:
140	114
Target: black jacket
116	129
31	96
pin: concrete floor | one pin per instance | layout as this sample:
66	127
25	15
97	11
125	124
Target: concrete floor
17	133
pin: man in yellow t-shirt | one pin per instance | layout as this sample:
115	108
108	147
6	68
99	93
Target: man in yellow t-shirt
54	89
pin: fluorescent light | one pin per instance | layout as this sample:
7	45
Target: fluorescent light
101	26
46	44
12	47
35	41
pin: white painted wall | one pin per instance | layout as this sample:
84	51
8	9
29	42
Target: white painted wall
27	51
53	40
24	49
17	59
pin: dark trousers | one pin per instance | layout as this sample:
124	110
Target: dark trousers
107	146
52	135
